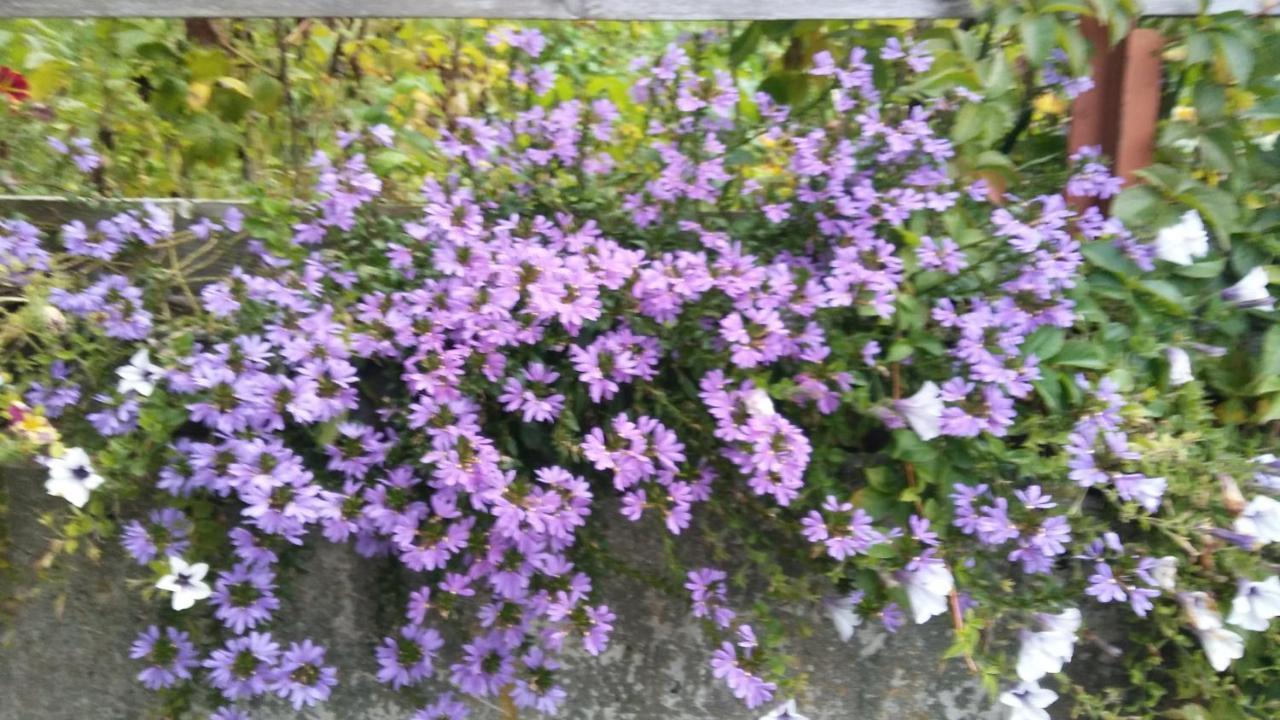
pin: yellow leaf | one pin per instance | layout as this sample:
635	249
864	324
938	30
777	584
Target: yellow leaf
198	95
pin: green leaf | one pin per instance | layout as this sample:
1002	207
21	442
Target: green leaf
1081	354
1037	33
1135	205
1238	54
1108	257
1045	342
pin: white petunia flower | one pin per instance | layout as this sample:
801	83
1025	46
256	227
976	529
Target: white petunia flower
186	582
844	616
1260	519
1255	604
1165	572
139	376
1182	243
1028	702
927	588
1179	366
72	477
785	711
923	411
1251	291
1268	475
1046	651
758	403
1220	644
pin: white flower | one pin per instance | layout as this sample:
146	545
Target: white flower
785	711
1220	644
71	476
1269	475
1179	366
843	616
1045	652
758	403
1165	572
1251	291
186	582
927	588
1260	519
1182	243
923	411
139	375
1028	702
1255	604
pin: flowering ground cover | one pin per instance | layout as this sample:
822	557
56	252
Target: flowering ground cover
892	373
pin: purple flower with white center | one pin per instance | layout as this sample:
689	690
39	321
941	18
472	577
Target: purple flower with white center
1104	586
727	664
244	597
302	678
408	658
167	533
245	666
170	656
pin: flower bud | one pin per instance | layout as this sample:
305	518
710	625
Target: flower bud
1232	498
53	318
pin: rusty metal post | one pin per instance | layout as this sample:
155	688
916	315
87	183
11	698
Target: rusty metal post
1121	111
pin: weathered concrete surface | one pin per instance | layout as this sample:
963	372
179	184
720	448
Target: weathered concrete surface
74	665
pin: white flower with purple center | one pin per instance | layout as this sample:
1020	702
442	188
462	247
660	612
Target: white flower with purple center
928	583
186	582
1180	372
1260	520
843	612
923	411
1251	291
139	376
1045	651
1220	644
72	477
785	711
1184	241
1028	701
1255	604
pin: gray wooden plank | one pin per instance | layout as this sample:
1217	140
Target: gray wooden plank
554	9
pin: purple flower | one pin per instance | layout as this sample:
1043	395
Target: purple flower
244	596
446	707
408	658
302	677
245	666
166	533
1104	586
170	657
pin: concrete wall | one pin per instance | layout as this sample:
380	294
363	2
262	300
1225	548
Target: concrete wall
67	660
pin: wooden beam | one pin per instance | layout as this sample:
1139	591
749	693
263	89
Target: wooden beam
557	9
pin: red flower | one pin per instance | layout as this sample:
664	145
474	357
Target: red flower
13	84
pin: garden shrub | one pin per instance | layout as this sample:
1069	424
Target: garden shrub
887	373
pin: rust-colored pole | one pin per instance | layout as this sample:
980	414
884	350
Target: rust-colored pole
1139	110
1120	113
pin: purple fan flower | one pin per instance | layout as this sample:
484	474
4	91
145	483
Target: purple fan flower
245	666
166	533
170	656
302	677
408	659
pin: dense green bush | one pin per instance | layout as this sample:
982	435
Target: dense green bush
832	298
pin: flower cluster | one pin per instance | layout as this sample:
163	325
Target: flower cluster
465	394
